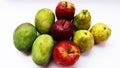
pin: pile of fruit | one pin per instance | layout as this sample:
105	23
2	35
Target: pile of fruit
64	39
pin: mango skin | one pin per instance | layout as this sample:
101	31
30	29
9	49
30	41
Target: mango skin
42	49
24	36
101	32
84	39
44	20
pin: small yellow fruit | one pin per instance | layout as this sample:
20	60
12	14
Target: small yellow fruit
101	32
84	39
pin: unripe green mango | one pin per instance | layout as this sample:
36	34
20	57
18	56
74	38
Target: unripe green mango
24	36
42	49
44	20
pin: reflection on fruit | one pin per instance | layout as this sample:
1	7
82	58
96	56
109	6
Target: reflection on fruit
42	49
82	20
84	39
66	53
44	20
101	32
62	30
24	36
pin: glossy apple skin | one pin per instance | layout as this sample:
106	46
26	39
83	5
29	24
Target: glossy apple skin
66	53
65	10
62	30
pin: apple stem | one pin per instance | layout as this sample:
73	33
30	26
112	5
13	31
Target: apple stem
70	51
63	23
66	4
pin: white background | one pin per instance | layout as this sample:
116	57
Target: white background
15	12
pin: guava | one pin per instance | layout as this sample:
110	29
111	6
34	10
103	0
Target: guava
82	21
101	32
84	39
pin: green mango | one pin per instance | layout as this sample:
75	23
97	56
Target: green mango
24	36
44	20
42	49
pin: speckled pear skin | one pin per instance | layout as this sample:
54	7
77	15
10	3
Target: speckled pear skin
44	20
101	32
82	20
24	36
84	39
42	49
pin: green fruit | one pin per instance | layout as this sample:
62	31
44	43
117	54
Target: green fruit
82	20
101	32
42	49
24	36
84	39
44	20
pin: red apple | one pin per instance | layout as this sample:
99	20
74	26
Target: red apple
66	53
65	10
62	30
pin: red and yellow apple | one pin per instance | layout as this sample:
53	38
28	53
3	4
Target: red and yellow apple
66	53
65	10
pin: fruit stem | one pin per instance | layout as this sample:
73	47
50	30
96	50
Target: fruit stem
84	12
66	4
63	23
70	51
104	28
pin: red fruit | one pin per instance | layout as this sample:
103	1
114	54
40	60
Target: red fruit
66	53
62	30
65	10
